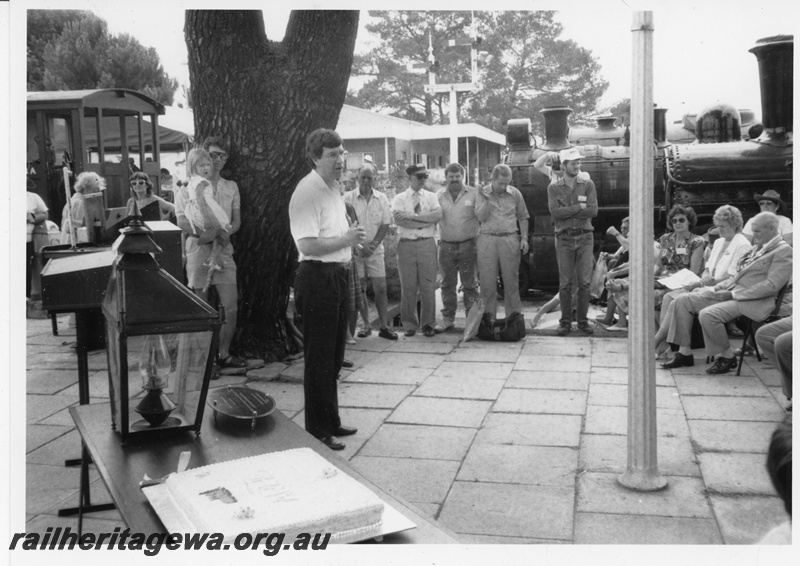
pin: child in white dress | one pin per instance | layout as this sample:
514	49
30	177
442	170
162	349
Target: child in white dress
202	211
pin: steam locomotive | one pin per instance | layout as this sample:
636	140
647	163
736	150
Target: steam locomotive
731	158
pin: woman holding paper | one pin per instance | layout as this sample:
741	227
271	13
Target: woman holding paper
721	265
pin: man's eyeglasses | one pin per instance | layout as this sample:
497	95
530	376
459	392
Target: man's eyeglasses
678	220
138	183
335	155
765	203
218	155
421	176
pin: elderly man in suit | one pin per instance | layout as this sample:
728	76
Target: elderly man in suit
762	272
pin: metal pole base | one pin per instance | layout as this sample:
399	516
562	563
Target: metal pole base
642	480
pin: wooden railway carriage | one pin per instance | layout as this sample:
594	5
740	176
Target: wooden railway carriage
91	130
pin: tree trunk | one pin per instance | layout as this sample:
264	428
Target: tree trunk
264	97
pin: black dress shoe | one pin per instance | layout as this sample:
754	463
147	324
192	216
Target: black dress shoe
679	360
428	331
410	332
332	443
347	364
387	333
722	365
345	430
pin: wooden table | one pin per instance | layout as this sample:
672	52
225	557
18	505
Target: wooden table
123	467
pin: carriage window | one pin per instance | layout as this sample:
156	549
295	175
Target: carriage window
58	144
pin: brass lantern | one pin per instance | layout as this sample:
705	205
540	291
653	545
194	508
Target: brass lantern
161	341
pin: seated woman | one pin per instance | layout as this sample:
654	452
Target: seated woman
678	249
617	283
151	207
725	254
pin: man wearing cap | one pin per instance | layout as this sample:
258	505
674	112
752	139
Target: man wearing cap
572	200
458	255
324	239
771	201
416	212
499	207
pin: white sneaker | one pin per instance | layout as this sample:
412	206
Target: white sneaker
443	326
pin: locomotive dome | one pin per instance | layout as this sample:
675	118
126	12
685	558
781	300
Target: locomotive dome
718	123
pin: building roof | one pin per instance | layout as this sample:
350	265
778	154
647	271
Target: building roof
357	123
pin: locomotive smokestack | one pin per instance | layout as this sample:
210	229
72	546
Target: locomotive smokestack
606	122
775	68
660	127
556	129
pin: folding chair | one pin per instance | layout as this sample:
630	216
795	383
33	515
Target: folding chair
750	331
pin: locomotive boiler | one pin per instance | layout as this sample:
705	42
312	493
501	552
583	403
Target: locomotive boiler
727	163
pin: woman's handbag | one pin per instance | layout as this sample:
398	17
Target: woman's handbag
511	329
597	285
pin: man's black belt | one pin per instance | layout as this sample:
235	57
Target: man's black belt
499	233
416	239
328	264
458	242
574	231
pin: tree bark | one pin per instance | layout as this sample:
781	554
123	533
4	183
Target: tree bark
264	98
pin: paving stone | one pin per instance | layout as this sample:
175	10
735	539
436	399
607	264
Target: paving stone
460	388
617	395
732	408
605	528
420	347
396	360
477	344
735	473
367	421
474	369
571	364
548	380
532	465
294	372
37	435
541	401
42	406
47	487
600	493
288	396
372	395
724	385
614	420
61	418
443	412
556	348
746	519
497	539
499	509
609	453
47	382
417	441
65	447
428	509
465	353
609	360
399	375
416	480
99	495
269	372
616	344
373	343
727	436
608	375
53	361
530	430
767	376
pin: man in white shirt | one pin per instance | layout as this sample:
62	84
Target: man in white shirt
771	201
416	212
324	240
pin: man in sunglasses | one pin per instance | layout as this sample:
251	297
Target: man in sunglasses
416	212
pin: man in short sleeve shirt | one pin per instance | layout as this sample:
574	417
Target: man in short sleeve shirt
499	208
323	237
375	214
416	212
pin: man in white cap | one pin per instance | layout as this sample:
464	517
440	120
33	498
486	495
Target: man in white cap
572	200
416	212
771	201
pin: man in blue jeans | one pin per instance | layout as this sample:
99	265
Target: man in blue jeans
572	200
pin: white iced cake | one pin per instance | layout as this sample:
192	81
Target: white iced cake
282	492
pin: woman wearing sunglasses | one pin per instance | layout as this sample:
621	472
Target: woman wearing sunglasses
151	207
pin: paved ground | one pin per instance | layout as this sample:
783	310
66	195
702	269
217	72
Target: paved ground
501	443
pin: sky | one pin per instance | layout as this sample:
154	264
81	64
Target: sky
700	48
